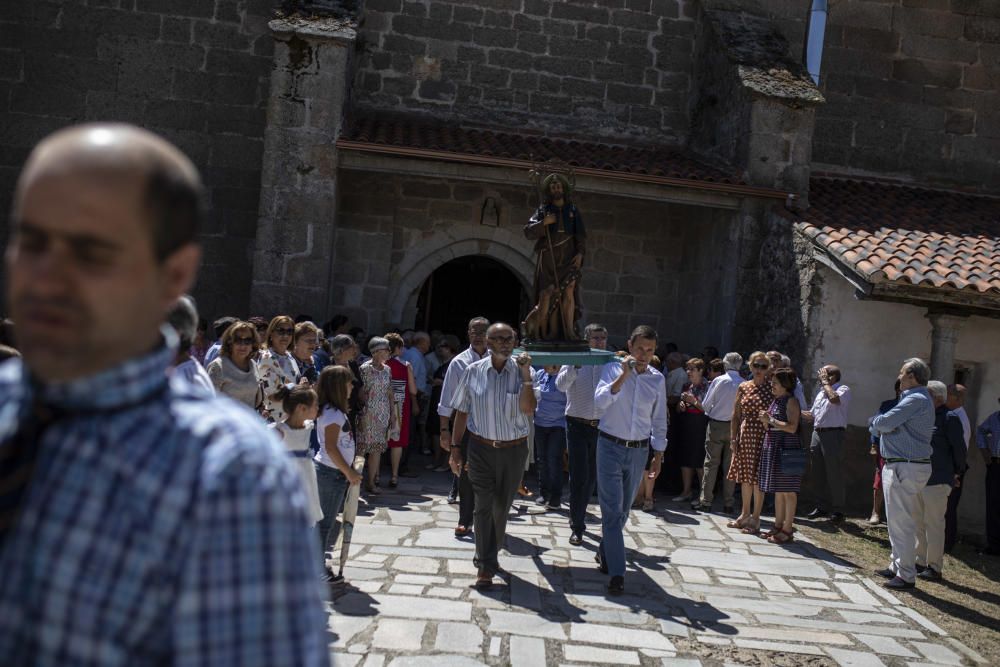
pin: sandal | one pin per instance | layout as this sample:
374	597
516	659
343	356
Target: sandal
393	483
647	506
781	537
770	533
751	530
737	523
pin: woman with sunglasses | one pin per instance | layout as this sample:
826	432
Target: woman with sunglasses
276	366
747	437
234	372
305	341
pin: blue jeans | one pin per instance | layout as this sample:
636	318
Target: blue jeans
581	439
550	443
620	470
332	489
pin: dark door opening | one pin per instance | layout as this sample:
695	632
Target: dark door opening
468	287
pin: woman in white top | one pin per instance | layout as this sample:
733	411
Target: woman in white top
301	405
333	462
234	372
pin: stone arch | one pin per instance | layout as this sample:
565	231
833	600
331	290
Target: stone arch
406	279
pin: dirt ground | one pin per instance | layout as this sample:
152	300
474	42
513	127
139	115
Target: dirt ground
966	603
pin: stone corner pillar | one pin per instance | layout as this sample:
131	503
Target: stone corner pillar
310	83
945	328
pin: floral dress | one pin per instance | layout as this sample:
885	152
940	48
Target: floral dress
752	398
376	419
275	370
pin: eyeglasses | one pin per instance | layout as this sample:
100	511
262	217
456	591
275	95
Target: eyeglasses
242	341
284	332
502	339
763	367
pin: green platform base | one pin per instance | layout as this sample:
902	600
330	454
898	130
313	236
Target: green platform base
591	358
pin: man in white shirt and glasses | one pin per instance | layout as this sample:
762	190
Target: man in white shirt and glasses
633	399
829	418
718	405
582	417
494	403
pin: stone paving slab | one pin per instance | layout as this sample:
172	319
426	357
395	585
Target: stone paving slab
691	584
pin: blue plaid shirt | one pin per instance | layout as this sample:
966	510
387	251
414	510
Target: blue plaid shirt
906	428
159	528
988	434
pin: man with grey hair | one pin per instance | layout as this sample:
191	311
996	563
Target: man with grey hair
183	317
718	404
905	434
582	417
826	449
947	461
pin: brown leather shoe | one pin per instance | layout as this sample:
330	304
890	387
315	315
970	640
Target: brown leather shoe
461	531
484	580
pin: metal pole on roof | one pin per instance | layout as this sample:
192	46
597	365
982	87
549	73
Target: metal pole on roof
812	50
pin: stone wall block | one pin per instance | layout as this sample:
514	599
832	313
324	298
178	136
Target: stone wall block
927	22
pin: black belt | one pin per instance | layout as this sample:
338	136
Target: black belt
586	422
720	421
897	460
631	444
823	429
496	444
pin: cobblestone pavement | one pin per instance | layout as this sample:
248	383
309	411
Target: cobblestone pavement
697	593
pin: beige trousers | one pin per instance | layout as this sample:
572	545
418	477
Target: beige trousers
932	504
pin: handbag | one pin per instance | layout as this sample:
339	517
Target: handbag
792	461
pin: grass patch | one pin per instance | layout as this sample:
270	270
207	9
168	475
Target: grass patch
966	604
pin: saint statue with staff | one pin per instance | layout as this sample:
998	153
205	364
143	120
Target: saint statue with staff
560	245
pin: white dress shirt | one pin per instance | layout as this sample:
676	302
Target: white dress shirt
831	415
676	379
492	400
452	376
720	399
579	386
639	410
966	425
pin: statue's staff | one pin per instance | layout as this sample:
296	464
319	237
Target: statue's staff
552	252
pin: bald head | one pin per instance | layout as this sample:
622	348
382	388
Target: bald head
162	181
102	245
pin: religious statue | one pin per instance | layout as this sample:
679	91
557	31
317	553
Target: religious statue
560	245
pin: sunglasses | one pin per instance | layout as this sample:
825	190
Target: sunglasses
762	366
242	341
284	332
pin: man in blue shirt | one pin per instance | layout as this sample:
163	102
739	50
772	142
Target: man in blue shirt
632	396
550	436
988	443
140	524
905	434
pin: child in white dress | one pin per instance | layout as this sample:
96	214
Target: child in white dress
300	405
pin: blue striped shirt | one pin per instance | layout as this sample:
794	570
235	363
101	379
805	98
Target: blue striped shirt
551	410
906	429
988	434
492	400
159	527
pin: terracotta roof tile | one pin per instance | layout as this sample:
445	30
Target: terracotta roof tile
888	232
418	133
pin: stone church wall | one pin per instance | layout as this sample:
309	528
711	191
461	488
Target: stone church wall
194	71
912	88
615	68
647	262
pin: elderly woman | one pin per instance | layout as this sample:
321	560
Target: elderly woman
234	372
404	386
305	340
781	419
692	422
379	421
276	366
747	437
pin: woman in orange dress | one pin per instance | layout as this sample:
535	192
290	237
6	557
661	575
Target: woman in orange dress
747	434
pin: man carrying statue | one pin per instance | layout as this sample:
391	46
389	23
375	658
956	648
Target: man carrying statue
560	244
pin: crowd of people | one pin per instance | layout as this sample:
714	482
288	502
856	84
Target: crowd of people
732	425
